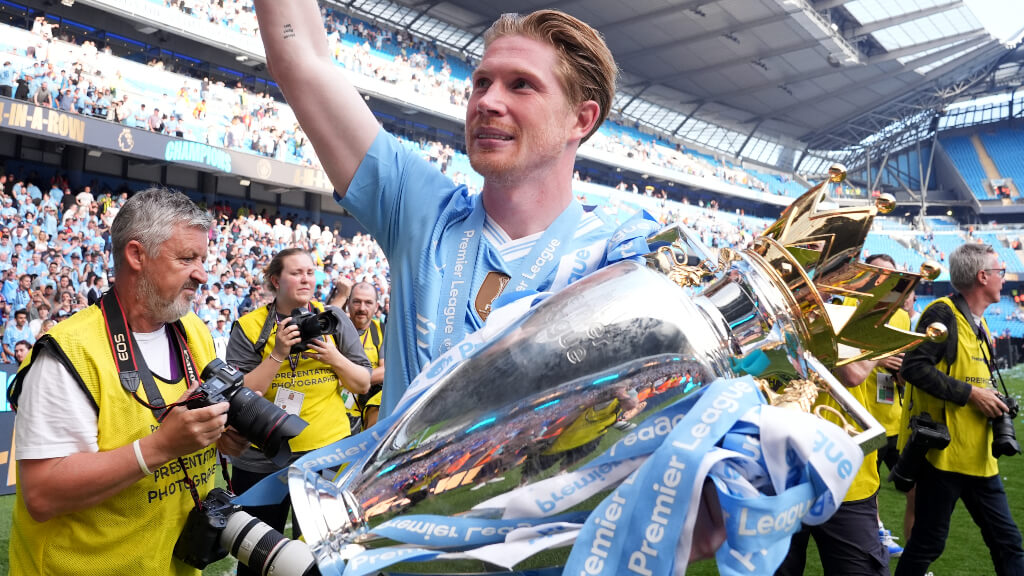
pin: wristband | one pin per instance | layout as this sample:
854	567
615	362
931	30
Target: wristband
275	359
140	459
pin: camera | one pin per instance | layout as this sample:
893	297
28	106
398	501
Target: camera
1004	439
218	526
925	434
312	326
261	421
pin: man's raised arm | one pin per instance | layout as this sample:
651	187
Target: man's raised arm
329	109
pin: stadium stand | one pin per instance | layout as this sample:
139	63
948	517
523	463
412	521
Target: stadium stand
703	155
1004	146
964	156
207	111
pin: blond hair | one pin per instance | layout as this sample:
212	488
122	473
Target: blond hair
586	67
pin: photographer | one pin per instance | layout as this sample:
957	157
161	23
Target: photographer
362	306
106	473
952	382
307	383
848	543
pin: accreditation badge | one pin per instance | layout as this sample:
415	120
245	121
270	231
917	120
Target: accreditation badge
886	391
289	400
348	398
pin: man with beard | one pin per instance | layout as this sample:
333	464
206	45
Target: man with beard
106	452
22	295
544	85
362	306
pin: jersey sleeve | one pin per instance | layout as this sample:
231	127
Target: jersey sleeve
396	194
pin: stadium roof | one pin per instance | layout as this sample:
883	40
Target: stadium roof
760	79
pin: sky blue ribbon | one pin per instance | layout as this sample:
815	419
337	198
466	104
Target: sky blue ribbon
460	532
639	525
460	247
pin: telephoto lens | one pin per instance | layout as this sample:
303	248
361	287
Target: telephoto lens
1004	437
264	549
259	420
265	424
220	527
926	434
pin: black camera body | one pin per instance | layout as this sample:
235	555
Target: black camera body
312	327
925	434
1004	437
220	383
199	543
218	526
261	421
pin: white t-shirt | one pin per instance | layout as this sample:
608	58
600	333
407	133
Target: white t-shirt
56	418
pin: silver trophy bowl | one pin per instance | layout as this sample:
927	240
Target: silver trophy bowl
566	380
558	387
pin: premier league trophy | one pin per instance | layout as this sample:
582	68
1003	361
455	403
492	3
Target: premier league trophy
572	379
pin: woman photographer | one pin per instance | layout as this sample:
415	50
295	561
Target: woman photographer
308	383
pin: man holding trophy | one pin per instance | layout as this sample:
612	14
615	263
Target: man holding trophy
514	426
545	84
487	404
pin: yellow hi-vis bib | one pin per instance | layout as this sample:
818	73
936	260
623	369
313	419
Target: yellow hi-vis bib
866	482
133	532
970	448
322	406
372	351
888	415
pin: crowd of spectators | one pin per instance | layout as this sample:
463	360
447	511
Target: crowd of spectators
57	72
54	245
236	15
926	245
79	77
55	258
55	251
55	254
650	152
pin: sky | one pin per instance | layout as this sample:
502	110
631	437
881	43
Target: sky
1003	18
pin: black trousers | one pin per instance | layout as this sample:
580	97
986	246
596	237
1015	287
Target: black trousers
985	500
848	543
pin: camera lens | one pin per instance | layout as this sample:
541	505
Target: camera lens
1004	438
264	549
256	418
904	474
312	326
326	322
264	424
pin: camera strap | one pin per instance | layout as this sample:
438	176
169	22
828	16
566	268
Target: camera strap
131	366
983	337
990	359
132	369
268	325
